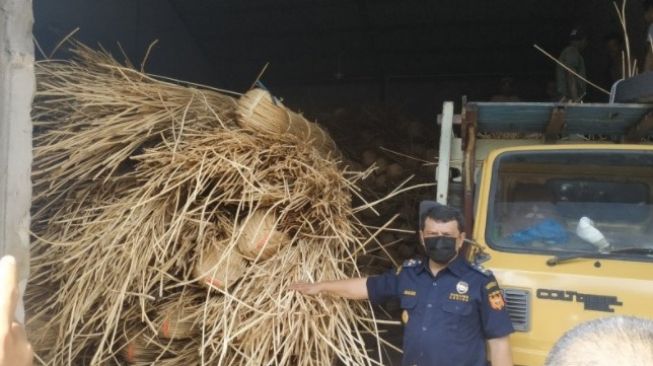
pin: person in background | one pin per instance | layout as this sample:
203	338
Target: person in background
569	86
506	92
551	92
648	17
614	46
15	350
451	307
609	341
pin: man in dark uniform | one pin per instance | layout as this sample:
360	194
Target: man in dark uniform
451	308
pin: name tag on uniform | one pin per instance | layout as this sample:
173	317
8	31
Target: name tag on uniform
458	297
410	293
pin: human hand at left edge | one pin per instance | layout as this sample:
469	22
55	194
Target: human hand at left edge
15	350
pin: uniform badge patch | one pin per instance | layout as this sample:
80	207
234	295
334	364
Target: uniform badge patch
404	317
496	300
410	293
462	287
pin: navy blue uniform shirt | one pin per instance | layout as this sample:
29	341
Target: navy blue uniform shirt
447	318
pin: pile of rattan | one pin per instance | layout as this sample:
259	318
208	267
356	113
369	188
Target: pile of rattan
169	220
400	150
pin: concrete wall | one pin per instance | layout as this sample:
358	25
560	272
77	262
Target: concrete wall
16	93
132	23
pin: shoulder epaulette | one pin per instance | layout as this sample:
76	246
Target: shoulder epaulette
482	270
412	263
408	264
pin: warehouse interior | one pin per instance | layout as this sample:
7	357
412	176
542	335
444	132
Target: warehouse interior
329	55
374	73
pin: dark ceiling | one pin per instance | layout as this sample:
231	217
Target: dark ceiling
328	53
307	41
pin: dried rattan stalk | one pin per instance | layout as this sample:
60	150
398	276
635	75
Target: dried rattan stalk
259	237
137	181
259	111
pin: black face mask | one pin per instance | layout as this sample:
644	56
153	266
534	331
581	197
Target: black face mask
441	249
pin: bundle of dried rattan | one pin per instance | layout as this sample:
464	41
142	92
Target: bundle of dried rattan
259	111
165	234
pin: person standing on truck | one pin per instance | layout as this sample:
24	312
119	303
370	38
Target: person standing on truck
571	87
451	307
614	47
648	17
506	92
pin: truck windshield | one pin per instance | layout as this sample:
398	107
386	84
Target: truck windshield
571	201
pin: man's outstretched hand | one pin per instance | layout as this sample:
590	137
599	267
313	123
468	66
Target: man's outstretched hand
351	288
306	288
15	350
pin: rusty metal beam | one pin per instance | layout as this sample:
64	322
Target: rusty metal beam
556	124
468	180
469	118
641	129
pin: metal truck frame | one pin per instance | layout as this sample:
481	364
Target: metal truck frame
551	286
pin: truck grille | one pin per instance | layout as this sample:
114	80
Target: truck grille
518	303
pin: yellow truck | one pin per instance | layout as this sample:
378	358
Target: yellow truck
559	202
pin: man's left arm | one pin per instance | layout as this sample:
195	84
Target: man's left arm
500	353
496	323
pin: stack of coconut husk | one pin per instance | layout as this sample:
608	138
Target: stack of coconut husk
399	150
169	221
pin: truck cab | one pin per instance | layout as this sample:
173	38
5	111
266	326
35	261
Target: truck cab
559	202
